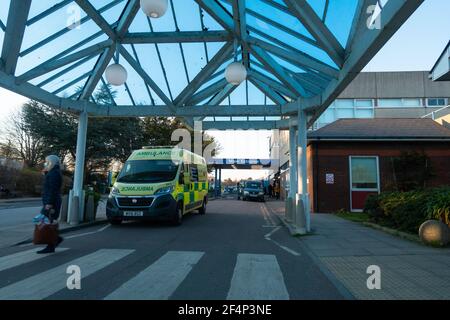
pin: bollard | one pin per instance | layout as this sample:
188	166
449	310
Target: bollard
64	209
288	209
90	209
300	217
75	211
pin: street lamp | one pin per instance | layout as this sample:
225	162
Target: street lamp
236	73
116	74
154	8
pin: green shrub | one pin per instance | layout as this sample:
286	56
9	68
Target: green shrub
406	211
372	208
438	205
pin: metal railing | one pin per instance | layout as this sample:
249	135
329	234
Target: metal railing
433	114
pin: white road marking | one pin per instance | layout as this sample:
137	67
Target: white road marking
17	259
49	282
266	214
293	252
272	232
88	233
75	235
257	277
160	280
268	237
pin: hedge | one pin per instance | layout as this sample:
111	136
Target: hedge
406	211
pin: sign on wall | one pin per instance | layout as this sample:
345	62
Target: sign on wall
329	178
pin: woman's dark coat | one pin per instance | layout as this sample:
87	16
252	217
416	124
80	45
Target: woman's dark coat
51	194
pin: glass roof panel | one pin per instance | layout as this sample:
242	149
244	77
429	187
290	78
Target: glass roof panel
4	4
46	50
340	18
264	9
170	65
149	60
318	7
195	58
298	45
112	15
72	71
189	9
173	63
2	36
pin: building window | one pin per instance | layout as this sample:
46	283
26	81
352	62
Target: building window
364	173
346	109
399	103
364	103
437	102
412	102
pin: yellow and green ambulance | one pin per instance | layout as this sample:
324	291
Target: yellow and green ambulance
159	183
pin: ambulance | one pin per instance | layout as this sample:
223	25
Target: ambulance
159	183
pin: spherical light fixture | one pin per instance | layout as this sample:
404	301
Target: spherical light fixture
154	8
236	73
116	74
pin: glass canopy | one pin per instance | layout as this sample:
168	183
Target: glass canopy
56	51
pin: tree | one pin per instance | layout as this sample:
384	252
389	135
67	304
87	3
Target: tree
41	130
22	141
8	150
56	128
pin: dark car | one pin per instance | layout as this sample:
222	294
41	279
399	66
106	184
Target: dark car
253	190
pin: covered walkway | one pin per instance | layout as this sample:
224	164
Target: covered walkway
228	63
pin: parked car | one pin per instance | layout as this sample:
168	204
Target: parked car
253	190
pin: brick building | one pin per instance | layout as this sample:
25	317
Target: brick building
352	158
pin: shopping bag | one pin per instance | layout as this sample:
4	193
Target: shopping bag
46	233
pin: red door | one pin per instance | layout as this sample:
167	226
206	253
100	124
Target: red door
364	180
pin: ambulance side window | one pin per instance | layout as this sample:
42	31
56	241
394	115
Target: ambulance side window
194	172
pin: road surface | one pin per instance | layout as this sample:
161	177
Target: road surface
16	220
237	250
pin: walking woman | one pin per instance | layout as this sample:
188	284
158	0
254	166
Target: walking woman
51	196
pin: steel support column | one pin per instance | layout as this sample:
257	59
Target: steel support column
292	170
302	199
79	166
220	182
215	181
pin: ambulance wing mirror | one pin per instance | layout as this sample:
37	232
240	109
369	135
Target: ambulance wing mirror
112	177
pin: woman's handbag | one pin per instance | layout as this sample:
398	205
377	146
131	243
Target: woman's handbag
46	233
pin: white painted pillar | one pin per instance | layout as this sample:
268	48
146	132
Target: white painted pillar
292	171
79	165
302	199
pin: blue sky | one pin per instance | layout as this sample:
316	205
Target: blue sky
416	46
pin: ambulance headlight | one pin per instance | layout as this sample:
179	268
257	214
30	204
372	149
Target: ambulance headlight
114	192
164	190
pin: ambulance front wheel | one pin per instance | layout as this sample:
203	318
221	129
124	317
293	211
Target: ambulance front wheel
178	217
202	209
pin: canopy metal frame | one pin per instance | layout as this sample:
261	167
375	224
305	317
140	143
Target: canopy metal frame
311	91
299	98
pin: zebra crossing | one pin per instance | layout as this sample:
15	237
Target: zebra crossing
255	276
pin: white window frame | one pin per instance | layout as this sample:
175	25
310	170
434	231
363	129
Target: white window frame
446	103
378	189
402	106
365	108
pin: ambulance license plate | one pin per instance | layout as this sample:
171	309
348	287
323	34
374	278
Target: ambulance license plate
133	213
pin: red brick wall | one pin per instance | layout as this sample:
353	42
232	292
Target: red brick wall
333	157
